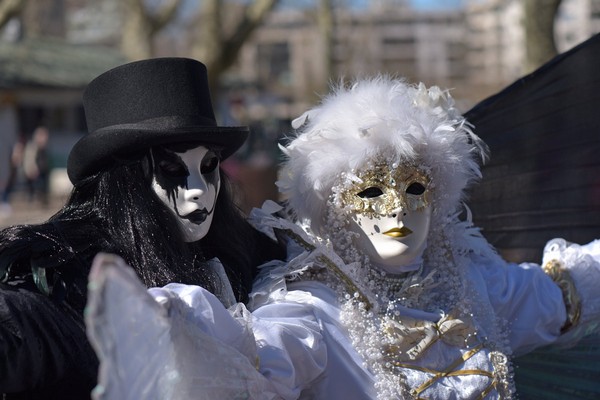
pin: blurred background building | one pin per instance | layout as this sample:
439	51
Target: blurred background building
268	61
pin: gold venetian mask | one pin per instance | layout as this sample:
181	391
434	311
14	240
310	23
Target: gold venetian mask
380	190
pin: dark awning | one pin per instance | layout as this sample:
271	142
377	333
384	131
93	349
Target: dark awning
53	63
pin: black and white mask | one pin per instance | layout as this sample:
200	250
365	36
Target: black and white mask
188	182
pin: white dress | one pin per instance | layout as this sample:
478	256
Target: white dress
304	339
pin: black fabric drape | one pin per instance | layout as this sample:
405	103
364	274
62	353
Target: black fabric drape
543	178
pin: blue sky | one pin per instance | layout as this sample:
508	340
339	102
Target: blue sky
435	4
423	4
418	4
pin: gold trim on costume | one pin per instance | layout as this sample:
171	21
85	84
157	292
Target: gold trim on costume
442	374
561	276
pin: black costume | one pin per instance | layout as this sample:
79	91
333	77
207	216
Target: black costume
43	268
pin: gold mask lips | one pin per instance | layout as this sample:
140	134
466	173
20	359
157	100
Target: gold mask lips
398	232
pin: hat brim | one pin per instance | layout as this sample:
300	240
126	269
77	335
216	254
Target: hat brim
104	148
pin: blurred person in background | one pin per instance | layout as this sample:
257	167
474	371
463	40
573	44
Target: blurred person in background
36	165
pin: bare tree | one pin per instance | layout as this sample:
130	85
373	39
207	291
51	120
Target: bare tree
142	24
326	23
216	43
37	18
10	9
539	31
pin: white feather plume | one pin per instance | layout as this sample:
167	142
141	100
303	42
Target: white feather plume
380	118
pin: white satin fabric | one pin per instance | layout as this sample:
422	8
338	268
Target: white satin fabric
535	313
180	344
186	344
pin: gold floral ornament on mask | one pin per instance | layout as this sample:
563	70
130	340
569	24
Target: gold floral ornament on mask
382	189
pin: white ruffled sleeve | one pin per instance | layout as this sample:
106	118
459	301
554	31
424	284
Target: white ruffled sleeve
524	298
281	340
232	327
305	349
291	348
533	304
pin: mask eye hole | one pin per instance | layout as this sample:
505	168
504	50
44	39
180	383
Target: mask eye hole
175	169
415	188
370	193
209	164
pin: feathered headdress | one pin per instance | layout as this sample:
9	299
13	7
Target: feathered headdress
385	120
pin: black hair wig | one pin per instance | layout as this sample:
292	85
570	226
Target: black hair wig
117	211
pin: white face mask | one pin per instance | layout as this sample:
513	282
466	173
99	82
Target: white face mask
188	183
393	243
391	214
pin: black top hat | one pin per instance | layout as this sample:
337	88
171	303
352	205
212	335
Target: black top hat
146	103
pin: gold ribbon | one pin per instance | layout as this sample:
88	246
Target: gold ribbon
411	337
